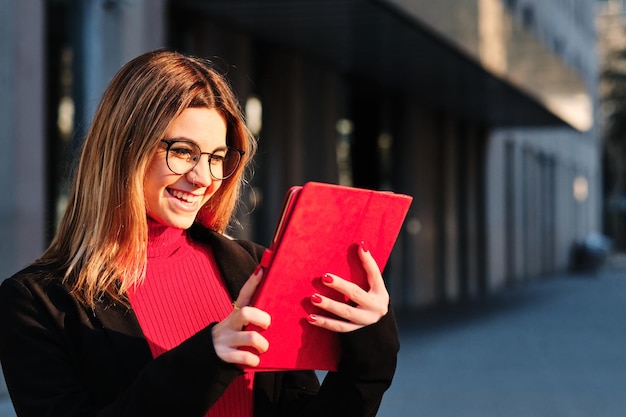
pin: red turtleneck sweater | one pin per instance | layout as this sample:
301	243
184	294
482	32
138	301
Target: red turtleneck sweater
183	292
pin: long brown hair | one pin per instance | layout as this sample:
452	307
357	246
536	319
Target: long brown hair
100	244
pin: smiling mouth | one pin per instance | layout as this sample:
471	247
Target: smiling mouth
186	197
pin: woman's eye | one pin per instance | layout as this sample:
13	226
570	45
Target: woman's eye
217	159
182	152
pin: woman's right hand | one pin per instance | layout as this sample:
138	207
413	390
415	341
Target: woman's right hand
229	336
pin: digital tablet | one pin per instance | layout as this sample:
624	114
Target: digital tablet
319	232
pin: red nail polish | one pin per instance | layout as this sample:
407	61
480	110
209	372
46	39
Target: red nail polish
316	298
311	318
364	246
327	279
257	269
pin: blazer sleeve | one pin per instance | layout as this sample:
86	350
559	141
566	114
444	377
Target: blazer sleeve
58	361
365	372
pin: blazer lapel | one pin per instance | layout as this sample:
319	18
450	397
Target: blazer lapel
123	330
235	259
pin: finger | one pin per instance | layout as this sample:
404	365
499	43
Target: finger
248	289
250	339
251	315
224	331
374	276
239	357
371	305
358	315
347	288
228	343
334	325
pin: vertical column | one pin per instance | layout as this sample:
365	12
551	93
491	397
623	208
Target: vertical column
417	133
107	34
22	207
510	209
22	141
450	182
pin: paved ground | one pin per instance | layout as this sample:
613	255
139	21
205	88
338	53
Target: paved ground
552	348
6	410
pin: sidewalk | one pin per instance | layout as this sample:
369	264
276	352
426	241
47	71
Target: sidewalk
555	347
6	409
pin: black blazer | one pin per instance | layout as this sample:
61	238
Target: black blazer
62	359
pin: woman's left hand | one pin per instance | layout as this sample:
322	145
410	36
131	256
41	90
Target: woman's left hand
369	306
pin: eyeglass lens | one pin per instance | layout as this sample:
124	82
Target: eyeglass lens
183	156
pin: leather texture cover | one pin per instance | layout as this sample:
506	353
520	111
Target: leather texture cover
319	232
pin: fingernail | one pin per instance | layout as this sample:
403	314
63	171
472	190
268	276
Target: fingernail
327	278
258	269
311	318
364	246
316	298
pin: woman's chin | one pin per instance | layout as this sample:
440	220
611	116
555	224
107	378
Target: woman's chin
175	221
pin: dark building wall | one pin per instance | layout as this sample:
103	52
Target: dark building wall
396	139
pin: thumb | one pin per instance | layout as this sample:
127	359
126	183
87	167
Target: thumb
249	288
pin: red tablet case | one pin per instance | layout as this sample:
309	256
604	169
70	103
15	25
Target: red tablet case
319	232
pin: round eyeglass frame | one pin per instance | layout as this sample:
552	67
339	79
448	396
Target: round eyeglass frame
169	142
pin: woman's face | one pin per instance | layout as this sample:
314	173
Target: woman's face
173	199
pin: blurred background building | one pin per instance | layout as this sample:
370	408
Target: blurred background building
486	111
612	96
483	110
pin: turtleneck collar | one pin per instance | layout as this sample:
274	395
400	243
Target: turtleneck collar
164	241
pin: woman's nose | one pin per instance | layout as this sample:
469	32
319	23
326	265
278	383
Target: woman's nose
200	175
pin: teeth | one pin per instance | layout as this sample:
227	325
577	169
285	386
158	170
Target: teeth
189	198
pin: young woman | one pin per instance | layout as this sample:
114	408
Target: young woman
130	312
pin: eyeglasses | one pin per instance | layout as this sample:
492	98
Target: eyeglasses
182	156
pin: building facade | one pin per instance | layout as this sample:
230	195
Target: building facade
482	110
